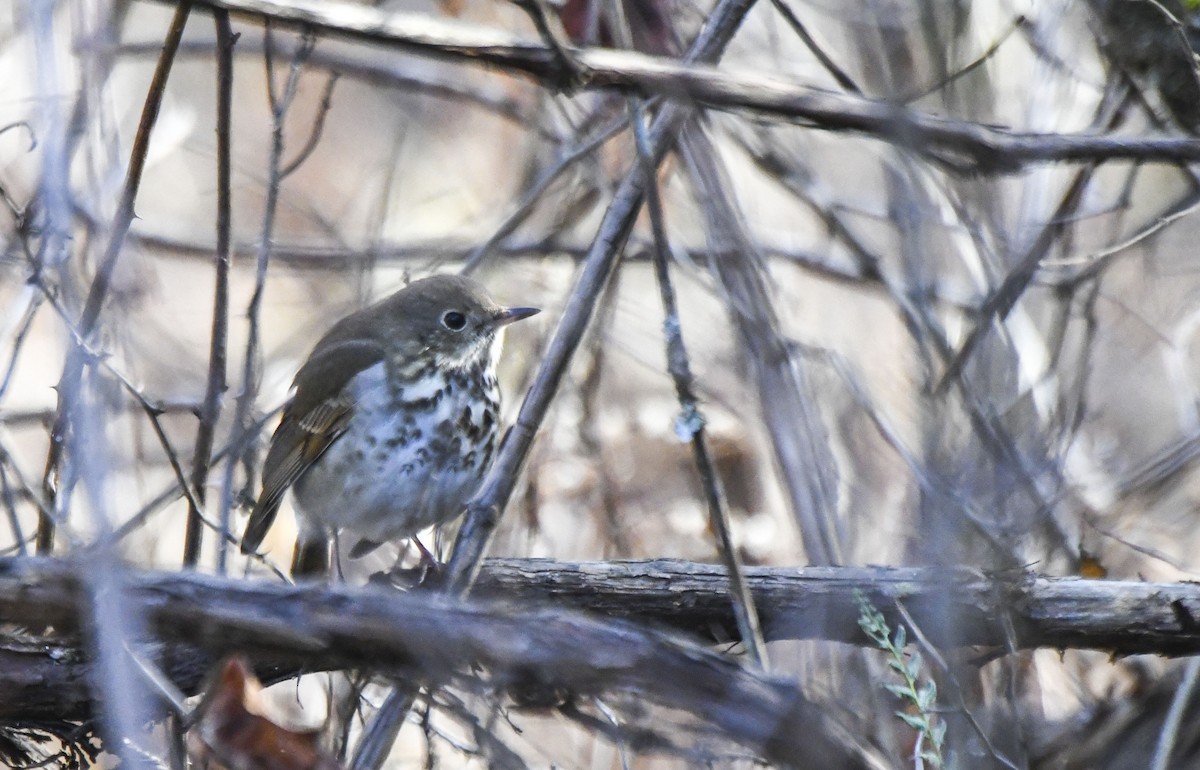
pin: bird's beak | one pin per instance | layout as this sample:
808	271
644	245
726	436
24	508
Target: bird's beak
512	314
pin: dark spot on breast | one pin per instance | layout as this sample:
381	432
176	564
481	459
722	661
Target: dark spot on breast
423	404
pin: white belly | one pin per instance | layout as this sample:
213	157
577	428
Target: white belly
393	473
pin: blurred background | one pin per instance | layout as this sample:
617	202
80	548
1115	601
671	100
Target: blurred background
901	358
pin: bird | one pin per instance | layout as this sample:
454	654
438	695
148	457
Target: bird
393	422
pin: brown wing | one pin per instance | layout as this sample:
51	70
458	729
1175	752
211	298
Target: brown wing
317	415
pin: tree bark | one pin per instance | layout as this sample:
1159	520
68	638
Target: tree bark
525	628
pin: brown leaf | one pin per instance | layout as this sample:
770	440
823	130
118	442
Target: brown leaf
235	733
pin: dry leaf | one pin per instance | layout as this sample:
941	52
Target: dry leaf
234	732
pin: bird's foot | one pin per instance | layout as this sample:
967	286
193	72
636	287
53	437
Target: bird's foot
427	569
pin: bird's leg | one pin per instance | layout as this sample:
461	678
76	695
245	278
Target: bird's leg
429	565
410	577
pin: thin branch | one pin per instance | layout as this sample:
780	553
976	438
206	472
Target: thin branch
690	421
1170	728
10	508
152	411
837	73
1018	23
353	61
960	145
799	437
69	383
447	250
525	208
318	128
217	354
280	104
22	333
1003	298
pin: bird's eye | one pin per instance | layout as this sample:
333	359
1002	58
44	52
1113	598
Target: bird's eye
454	321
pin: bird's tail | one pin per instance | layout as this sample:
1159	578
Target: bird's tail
261	519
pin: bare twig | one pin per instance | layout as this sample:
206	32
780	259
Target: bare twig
10	508
280	104
584	148
786	399
690	421
837	73
314	136
1002	299
216	383
23	327
1179	704
959	144
69	383
351	60
589	396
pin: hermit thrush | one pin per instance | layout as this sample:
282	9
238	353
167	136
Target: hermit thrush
393	423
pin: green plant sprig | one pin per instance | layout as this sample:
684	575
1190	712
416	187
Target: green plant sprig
931	729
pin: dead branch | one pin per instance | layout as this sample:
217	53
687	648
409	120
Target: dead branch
1121	617
193	619
196	618
961	144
